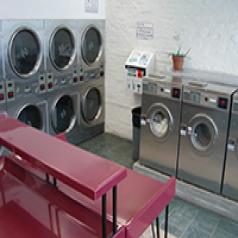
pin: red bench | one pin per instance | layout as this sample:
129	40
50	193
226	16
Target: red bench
86	177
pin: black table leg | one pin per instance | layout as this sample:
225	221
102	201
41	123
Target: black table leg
157	227
166	222
114	210
104	216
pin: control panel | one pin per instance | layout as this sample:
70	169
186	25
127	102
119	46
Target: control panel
162	90
42	84
138	65
10	90
206	99
2	93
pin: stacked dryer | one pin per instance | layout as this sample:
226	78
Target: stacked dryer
2	84
63	77
24	72
91	56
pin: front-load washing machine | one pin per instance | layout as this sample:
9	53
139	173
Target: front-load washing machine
24	71
61	53
160	123
92	110
91	49
230	186
204	126
64	114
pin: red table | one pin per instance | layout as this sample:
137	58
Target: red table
70	205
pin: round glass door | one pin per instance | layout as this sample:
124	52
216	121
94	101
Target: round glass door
91	105
31	116
24	52
160	120
62	48
91	45
203	133
63	117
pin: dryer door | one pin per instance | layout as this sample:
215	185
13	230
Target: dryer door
24	52
160	120
31	115
203	133
63	114
91	105
91	45
62	48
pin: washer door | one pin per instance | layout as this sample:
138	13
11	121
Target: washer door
62	48
63	114
91	45
24	52
31	115
160	121
203	133
91	105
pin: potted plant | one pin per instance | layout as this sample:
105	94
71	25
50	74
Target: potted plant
178	59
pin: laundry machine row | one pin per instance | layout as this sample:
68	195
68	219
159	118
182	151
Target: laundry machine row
52	72
185	131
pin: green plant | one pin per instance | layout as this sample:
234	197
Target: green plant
180	53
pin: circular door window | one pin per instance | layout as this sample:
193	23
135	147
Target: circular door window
160	121
91	45
63	117
31	116
204	133
24	52
62	48
91	105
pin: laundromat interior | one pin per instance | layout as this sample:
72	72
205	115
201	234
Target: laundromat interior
119	119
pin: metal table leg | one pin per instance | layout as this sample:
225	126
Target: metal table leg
166	222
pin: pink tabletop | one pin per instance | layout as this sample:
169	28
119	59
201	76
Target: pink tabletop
85	172
29	207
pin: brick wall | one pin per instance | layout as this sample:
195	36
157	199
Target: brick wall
209	27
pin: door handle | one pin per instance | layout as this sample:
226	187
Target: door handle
183	131
190	130
231	145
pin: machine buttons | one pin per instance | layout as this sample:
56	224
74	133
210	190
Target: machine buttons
10	94
1	96
42	87
176	92
102	73
81	78
222	103
50	85
75	79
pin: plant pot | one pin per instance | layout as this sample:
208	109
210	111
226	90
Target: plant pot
178	61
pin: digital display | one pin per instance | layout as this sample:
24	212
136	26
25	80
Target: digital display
222	103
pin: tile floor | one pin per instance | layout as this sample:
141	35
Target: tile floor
185	219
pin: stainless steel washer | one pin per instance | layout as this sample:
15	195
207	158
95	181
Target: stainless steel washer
92	110
205	118
161	107
230	187
61	61
24	71
91	49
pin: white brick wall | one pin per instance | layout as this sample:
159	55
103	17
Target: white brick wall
209	27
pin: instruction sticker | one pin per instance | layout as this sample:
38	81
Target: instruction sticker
144	31
91	6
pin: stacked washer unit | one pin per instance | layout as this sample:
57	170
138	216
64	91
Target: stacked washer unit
204	126
91	56
62	77
24	71
160	124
